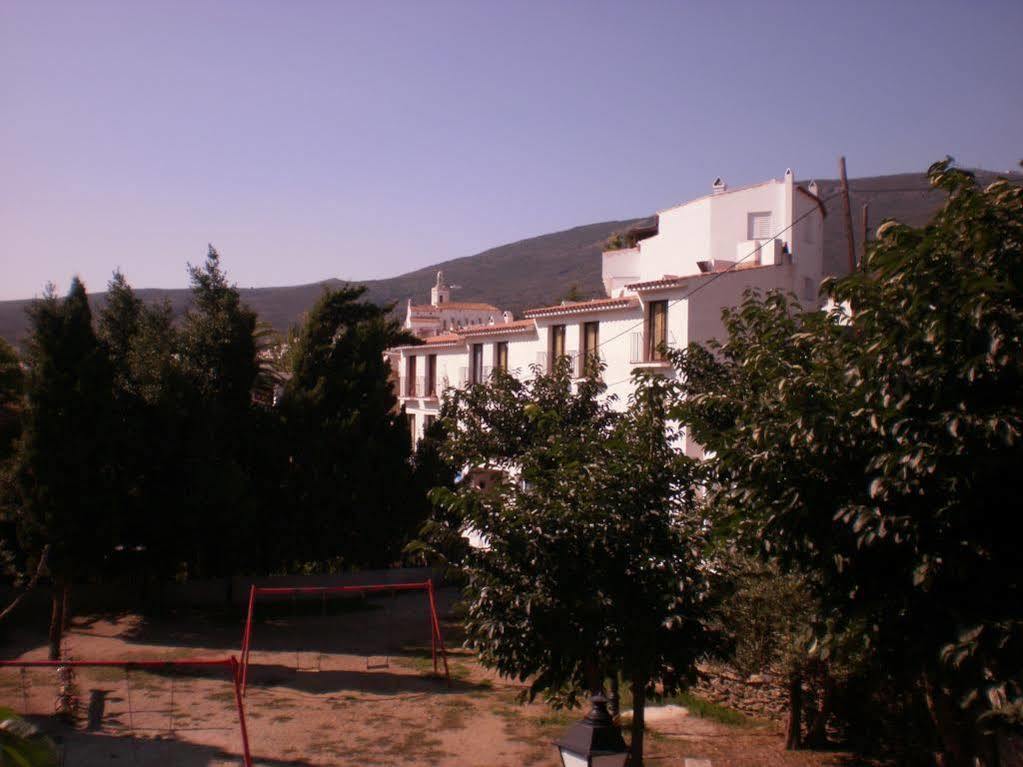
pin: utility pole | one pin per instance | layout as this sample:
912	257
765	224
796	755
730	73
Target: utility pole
866	216
847	209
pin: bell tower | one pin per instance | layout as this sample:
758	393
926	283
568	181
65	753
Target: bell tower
440	293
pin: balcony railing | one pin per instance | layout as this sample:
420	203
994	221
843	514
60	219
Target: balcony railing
639	353
418	386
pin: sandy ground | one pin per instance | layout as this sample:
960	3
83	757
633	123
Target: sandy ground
335	684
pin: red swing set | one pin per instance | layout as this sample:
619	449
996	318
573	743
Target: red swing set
436	640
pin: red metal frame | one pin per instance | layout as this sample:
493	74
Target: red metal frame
231	663
436	640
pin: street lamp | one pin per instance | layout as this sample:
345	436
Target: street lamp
595	741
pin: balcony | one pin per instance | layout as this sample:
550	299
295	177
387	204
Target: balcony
418	387
640	355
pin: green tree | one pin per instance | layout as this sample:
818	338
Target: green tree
593	558
145	428
874	448
62	469
219	365
350	480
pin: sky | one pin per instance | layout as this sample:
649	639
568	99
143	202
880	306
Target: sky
309	140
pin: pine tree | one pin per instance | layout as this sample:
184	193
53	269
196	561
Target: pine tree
62	468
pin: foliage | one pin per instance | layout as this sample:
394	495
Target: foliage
23	745
350	481
61	467
874	448
594	542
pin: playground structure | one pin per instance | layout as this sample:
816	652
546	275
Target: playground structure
436	639
140	715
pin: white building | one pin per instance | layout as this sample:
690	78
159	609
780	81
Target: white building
669	289
442	314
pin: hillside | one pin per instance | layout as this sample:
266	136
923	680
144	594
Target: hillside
540	270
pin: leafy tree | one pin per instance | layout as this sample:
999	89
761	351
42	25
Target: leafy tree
61	469
874	448
219	364
145	429
350	480
593	562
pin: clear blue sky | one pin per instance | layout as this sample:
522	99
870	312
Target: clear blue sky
363	139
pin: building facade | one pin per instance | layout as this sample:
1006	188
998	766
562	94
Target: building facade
668	289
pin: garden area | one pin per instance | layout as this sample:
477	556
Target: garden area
349	686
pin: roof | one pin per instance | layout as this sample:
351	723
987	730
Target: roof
444	339
578	307
454	306
671	281
518	326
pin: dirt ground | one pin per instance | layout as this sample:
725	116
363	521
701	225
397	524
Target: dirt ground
345	683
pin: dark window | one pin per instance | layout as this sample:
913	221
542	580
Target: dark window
501	355
591	344
412	425
657	330
431	376
477	364
410	376
557	342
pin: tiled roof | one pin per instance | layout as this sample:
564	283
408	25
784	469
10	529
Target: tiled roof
458	306
518	326
577	307
671	281
444	339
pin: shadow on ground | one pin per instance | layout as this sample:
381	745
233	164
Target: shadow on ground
83	748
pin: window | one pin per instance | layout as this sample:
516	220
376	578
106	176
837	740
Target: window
759	226
557	348
656	330
501	355
476	370
591	344
410	376
431	376
428	421
412	426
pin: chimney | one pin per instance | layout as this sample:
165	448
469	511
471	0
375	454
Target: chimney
718	186
507	316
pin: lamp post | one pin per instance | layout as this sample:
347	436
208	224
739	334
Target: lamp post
595	741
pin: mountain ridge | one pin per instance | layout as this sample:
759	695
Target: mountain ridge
540	270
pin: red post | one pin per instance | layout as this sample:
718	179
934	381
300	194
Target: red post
436	629
247	638
235	674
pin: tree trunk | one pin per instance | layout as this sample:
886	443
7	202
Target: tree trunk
952	732
56	618
817	734
65	612
638	720
794	728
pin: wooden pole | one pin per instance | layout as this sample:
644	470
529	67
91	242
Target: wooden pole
847	209
866	218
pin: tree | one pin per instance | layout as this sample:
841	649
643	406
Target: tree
219	366
593	539
874	448
23	744
145	430
61	469
349	479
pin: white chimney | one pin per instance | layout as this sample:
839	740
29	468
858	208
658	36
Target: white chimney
507	316
719	186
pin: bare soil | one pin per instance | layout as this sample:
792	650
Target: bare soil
340	683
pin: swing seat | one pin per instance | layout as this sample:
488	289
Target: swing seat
380	663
